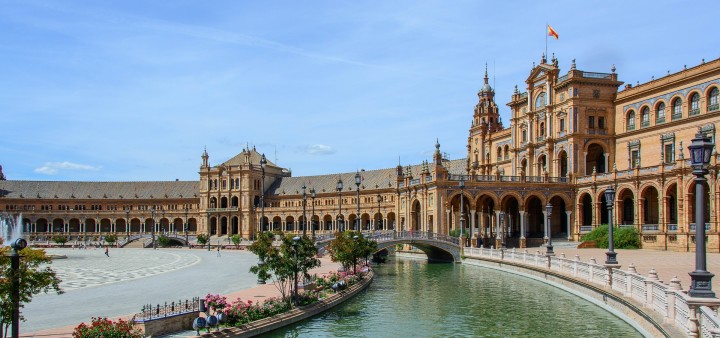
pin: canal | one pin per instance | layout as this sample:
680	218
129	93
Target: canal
411	298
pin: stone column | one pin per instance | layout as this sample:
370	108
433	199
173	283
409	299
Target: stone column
472	223
447	213
545	227
523	243
607	162
498	239
569	231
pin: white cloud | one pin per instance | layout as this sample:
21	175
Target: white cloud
52	168
319	149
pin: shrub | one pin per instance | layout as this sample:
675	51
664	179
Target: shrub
105	328
60	239
623	237
216	303
202	239
163	241
111	239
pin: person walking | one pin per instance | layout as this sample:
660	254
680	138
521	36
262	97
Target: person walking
107	251
218	251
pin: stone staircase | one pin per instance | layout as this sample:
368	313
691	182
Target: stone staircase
139	243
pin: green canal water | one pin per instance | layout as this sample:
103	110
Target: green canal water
411	298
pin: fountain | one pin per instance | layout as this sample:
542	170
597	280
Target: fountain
10	229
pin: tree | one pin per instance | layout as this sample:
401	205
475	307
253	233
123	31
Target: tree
347	250
110	239
35	277
163	241
60	239
202	239
282	263
236	239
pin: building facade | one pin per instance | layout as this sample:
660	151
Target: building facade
571	135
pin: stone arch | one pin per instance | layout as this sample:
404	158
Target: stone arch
223	202
234	202
365	221
670	204
290	223
626	199
136	225
58	225
192	225
276	223
213	202
562	169
649	195
105	225
41	225
178	225
235	225
392	220
535	217
327	220
595	158
585	209
74	225
415	215
213	226
558	218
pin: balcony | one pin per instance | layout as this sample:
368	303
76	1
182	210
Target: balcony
222	209
676	116
694	112
650	227
672	227
592	75
585	228
713	107
645	124
630	127
594	131
660	120
707	227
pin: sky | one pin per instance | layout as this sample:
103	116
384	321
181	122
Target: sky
135	90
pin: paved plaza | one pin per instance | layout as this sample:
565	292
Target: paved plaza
97	285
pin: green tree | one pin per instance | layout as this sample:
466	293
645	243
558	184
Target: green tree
110	239
236	239
60	239
347	250
281	264
163	241
202	239
35	277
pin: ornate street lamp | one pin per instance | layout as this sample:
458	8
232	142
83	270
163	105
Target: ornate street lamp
152	230
312	217
355	241
185	226
339	218
499	230
700	153
610	201
378	226
296	239
462	207
162	227
304	222
263	164
127	221
358	180
549	249
17	245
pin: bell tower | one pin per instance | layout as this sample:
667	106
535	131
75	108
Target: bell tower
486	120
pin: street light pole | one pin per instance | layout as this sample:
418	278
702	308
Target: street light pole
700	153
185	226
296	239
17	246
339	218
312	217
355	240
378	225
358	180
549	249
127	222
610	201
152	230
304	222
462	208
263	163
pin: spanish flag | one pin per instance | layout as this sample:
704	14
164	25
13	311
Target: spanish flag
552	32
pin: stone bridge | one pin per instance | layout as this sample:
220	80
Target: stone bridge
437	247
146	239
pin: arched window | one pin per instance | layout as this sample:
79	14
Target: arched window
542	129
713	99
660	113
630	120
677	109
507	152
694	104
540	101
499	153
645	117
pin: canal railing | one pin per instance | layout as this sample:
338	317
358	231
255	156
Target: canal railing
149	311
698	317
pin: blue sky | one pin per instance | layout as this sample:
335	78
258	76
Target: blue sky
134	90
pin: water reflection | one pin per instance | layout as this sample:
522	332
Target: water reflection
412	298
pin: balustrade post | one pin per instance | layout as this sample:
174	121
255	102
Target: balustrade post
628	285
575	265
670	296
591	270
649	287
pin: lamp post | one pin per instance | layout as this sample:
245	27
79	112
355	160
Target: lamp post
152	230
162	227
304	222
339	218
185	226
127	221
355	241
263	164
549	249
700	153
312	217
378	225
498	230
358	180
503	229
296	239
610	201
462	208
17	246
208	230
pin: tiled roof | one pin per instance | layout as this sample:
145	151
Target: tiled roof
99	190
383	178
239	159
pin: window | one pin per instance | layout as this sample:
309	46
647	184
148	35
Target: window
601	122
542	129
524	135
540	101
694	104
499	153
591	122
677	109
507	152
645	117
669	155
633	154
713	99
562	125
630	120
660	113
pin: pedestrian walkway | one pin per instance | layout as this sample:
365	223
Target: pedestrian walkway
666	263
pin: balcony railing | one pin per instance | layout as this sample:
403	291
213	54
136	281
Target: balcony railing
585	228
660	120
650	227
597	75
541	138
707	227
630	127
562	78
645	124
595	131
676	116
694	112
415	182
713	107
672	227
222	209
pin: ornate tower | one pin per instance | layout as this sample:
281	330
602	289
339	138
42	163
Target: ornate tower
486	121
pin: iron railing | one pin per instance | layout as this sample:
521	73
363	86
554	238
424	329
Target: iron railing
149	311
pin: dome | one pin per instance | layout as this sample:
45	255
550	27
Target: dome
486	88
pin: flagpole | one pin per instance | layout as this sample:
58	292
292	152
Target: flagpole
546	35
